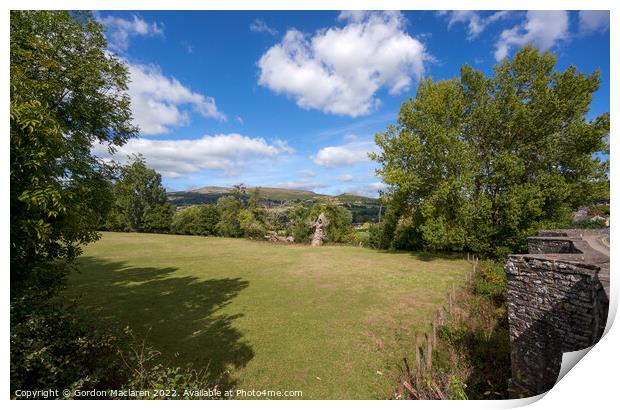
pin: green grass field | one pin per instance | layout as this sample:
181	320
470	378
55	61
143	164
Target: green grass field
334	322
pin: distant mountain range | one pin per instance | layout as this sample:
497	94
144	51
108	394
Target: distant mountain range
364	209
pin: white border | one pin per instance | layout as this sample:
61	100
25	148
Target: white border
591	384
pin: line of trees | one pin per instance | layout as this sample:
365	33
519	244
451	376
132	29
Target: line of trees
140	205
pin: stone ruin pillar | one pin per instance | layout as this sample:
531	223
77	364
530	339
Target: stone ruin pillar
319	226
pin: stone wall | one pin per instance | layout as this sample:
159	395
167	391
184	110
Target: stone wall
550	245
558	298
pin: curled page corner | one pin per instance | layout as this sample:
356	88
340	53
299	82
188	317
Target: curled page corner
569	360
515	403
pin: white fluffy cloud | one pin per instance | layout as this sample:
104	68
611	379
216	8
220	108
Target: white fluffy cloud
339	69
541	28
120	30
157	101
348	154
591	21
476	23
227	153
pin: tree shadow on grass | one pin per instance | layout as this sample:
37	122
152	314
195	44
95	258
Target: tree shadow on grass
181	317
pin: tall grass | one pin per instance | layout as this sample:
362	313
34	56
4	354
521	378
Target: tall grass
472	356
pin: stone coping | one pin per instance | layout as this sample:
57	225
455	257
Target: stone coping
583	254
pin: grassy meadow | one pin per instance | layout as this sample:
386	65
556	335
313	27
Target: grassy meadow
334	322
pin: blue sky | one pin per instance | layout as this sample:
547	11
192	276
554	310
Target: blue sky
293	99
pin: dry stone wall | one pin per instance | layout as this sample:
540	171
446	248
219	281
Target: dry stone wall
558	297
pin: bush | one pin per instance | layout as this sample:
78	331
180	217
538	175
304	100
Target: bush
599	210
491	282
228	208
360	238
159	219
251	226
302	231
54	345
374	236
146	372
589	224
406	237
196	220
340	228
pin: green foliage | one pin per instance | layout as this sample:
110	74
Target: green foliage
599	210
340	228
406	236
491	282
588	224
255	201
53	344
363	209
250	225
481	162
159	218
276	219
299	225
146	372
228	208
140	200
374	232
474	344
67	92
196	220
456	389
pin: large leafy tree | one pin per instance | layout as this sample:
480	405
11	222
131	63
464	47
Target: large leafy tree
140	200
481	162
67	92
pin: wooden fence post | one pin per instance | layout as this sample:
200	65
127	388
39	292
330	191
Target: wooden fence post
434	326
417	354
429	352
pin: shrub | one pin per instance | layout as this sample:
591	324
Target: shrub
406	237
596	224
54	345
374	236
146	372
252	227
491	282
228	208
196	220
302	231
340	227
599	210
